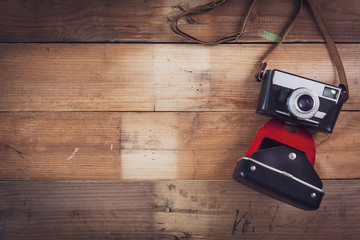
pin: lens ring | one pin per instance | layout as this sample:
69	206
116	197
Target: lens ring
295	110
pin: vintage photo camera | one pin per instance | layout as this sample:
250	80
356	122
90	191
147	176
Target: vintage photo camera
299	100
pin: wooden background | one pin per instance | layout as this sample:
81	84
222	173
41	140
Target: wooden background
113	127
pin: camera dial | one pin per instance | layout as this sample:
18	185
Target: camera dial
303	103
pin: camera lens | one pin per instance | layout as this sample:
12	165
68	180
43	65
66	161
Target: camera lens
305	103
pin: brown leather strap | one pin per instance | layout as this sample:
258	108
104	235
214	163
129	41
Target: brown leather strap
234	37
334	54
204	8
262	68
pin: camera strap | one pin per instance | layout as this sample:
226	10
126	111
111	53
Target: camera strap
233	37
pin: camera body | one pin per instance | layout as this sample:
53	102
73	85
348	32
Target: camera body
299	100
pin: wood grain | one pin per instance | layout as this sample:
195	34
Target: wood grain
151	145
91	130
155	77
149	21
170	210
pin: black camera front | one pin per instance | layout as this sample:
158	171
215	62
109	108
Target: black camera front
299	100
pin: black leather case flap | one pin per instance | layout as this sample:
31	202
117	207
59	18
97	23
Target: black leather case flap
283	173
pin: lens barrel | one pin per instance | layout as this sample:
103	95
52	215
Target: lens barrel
305	102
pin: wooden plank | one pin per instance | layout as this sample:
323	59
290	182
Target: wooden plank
151	145
143	77
149	21
170	210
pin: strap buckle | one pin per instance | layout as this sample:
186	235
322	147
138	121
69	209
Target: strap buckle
219	2
260	75
214	4
345	95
